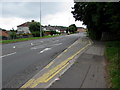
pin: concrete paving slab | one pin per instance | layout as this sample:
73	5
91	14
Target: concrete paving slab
96	49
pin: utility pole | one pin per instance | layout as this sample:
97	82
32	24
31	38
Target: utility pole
40	21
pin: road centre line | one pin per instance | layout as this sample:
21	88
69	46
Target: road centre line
51	73
56	44
7	55
38	47
46	49
56	41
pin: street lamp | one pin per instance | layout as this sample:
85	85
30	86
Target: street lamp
40	21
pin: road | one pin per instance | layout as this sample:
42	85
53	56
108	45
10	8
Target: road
22	60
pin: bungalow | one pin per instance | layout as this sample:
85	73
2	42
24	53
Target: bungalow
49	29
24	28
58	29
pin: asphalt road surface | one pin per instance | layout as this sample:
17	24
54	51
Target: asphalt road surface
22	60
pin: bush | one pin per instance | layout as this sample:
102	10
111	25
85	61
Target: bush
113	55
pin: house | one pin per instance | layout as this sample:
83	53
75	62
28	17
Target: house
4	34
59	29
80	29
24	28
63	31
48	30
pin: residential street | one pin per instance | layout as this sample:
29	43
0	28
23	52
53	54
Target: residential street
23	60
59	44
70	61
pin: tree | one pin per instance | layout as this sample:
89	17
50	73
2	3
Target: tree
13	34
99	17
67	30
72	28
34	27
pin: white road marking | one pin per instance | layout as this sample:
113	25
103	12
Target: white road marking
57	44
13	46
46	49
56	41
37	47
41	41
31	43
7	55
33	48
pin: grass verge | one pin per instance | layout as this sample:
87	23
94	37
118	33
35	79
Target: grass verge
113	56
25	39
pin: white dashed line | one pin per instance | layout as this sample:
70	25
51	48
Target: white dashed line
57	44
13	46
46	49
31	43
7	55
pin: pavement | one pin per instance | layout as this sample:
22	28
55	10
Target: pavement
87	72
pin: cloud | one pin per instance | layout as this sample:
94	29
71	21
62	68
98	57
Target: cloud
21	10
29	9
36	1
62	19
53	13
9	23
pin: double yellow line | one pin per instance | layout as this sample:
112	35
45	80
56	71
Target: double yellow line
32	83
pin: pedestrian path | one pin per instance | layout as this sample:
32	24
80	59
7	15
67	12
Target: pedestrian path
87	72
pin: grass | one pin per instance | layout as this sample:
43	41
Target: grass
25	39
113	55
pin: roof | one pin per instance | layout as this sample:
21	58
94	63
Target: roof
24	24
3	33
80	28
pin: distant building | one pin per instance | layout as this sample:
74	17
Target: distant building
4	34
80	29
24	28
49	28
59	29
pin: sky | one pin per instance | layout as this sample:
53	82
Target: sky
52	13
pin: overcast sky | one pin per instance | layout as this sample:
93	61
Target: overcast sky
53	13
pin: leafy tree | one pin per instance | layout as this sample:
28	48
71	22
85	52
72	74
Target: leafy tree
34	27
13	34
67	30
72	28
99	17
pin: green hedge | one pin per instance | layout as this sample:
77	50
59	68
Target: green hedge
113	55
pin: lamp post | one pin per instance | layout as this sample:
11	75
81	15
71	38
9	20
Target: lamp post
40	21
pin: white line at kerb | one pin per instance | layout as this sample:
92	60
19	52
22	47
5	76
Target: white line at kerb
7	55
